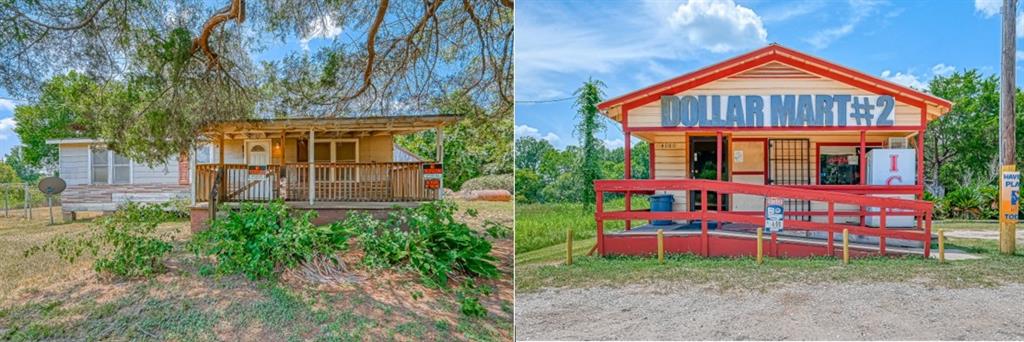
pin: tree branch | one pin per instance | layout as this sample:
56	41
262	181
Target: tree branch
88	19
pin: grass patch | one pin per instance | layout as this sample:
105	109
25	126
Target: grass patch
543	267
542	225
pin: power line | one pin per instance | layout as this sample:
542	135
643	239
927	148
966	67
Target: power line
545	100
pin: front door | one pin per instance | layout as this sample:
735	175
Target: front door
259	179
703	162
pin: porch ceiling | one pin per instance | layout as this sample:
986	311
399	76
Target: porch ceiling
333	127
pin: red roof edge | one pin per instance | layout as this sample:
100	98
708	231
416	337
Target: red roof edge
773	51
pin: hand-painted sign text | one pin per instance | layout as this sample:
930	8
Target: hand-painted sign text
838	110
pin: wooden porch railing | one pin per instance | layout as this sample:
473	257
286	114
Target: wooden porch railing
337	182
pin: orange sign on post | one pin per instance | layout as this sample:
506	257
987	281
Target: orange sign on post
1009	196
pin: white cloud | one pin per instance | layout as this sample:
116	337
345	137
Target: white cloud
788	11
321	27
908	79
1020	25
859	9
613	143
987	8
718	26
942	69
6	105
553	40
527	131
7	127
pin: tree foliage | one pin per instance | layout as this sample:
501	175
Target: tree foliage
590	122
547	174
474	146
55	115
159	78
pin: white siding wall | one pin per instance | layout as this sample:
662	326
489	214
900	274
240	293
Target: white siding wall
74	163
74	168
166	173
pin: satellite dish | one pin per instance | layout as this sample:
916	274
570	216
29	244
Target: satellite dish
52	185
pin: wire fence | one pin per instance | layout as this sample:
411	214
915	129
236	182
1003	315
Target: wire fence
18	200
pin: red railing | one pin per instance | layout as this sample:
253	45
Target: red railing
921	210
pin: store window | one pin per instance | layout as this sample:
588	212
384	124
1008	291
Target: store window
839	165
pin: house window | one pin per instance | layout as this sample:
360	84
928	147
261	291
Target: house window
122	169
100	166
345	152
839	165
204	154
108	167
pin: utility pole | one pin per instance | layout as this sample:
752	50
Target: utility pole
1007	127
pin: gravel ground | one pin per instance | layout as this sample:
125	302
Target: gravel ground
850	311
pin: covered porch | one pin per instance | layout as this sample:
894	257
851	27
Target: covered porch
329	164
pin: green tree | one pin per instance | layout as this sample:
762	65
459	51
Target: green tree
54	115
8	175
476	145
17	163
590	122
166	69
959	145
530	151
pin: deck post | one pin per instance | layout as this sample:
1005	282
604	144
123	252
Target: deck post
831	224
280	172
627	166
599	207
718	170
928	234
704	222
862	161
312	169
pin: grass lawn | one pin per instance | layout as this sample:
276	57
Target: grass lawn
542	225
42	297
543	267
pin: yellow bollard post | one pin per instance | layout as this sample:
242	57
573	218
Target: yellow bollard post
760	245
942	246
846	246
661	246
568	246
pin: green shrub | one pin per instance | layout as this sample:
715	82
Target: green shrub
491	182
259	239
125	243
427	239
971	202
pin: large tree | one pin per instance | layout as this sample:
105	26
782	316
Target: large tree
165	69
54	115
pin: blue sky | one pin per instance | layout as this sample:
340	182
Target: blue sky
630	45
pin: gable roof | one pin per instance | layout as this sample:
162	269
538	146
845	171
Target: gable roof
775	53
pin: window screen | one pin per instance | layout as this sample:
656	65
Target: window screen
100	170
345	152
122	169
322	152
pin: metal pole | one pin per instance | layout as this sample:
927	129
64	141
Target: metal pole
1007	126
28	211
49	205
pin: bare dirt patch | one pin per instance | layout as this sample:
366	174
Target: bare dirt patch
848	311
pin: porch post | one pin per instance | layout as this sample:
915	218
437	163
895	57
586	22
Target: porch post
280	172
312	170
718	169
920	163
192	174
650	159
628	172
439	136
863	162
222	194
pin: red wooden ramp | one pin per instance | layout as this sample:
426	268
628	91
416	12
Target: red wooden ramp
735	235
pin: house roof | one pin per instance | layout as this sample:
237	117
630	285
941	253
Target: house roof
774	53
370	125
